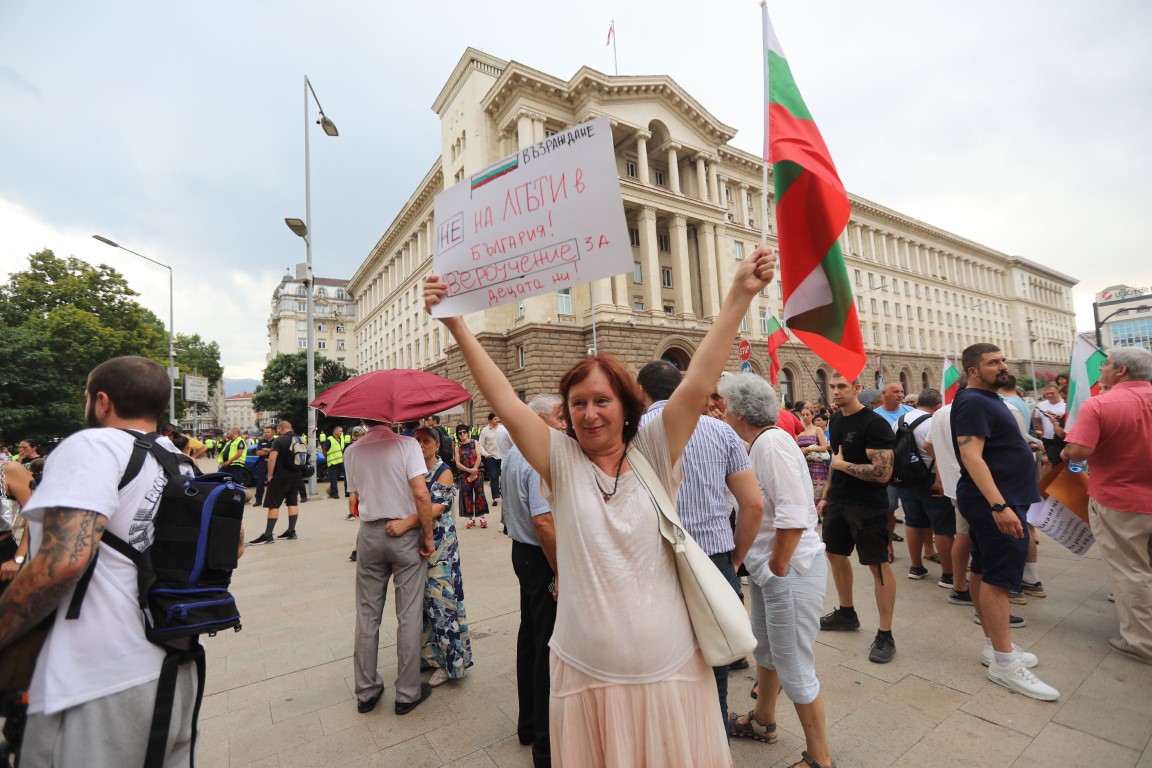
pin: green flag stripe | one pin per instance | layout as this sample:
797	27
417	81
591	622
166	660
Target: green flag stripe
782	88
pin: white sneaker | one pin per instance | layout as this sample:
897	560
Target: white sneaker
987	658
1018	678
439	677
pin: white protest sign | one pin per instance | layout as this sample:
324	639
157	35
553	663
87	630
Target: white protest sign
1062	524
546	218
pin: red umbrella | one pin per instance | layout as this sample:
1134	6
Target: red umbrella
400	394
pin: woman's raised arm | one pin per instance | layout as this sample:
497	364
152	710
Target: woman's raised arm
528	430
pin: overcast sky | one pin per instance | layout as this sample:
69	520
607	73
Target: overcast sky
177	129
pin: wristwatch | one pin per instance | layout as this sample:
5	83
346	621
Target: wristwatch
999	507
19	559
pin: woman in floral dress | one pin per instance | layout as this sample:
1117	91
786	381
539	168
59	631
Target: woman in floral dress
814	445
447	646
473	502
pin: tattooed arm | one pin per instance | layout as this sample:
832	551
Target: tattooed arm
68	543
877	471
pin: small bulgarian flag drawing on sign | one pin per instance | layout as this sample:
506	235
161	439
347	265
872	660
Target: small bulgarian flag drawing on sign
777	337
1084	376
494	172
950	383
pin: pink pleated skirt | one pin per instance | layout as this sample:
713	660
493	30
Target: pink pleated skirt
671	723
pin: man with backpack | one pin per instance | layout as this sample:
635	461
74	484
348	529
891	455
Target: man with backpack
283	477
913	473
98	673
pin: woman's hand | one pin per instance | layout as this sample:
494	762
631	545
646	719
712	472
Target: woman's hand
8	570
434	291
754	273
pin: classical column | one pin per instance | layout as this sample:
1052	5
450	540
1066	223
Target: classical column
642	155
650	259
701	179
524	130
714	181
709	280
674	168
681	274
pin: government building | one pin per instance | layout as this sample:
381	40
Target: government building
694	206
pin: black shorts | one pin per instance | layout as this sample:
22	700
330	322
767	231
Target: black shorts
862	527
996	557
282	488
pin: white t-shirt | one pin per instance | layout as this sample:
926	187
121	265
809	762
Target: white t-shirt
104	651
940	436
378	468
1045	422
621	616
786	488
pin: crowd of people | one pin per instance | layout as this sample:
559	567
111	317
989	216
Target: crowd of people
609	670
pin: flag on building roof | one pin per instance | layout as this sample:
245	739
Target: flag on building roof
950	383
777	336
812	210
1083	376
611	32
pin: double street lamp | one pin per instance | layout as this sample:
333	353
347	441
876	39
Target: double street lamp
303	229
1100	322
171	324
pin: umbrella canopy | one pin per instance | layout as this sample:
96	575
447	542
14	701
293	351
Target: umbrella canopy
400	394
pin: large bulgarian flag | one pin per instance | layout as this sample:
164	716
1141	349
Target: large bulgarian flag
950	381
777	337
1083	376
811	212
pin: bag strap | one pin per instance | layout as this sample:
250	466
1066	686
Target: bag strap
166	699
670	526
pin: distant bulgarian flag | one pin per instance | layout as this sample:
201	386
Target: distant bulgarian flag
950	383
1084	376
777	336
811	212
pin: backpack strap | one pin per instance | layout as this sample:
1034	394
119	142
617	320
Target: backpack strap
166	699
142	445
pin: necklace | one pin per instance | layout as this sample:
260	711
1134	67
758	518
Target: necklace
616	484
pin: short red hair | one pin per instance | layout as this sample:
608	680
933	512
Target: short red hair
622	383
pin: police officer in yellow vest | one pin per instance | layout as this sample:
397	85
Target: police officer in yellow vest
233	453
333	450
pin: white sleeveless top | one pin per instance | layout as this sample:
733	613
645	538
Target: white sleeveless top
621	616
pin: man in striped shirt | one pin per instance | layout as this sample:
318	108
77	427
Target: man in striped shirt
715	461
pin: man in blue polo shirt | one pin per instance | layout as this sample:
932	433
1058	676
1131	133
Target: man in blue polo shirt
997	485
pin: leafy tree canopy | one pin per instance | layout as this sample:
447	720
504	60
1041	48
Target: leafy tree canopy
62	318
200	358
284	389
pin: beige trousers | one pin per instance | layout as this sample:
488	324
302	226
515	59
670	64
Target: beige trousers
1126	538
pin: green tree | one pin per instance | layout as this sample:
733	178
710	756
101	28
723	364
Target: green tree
284	389
62	317
199	357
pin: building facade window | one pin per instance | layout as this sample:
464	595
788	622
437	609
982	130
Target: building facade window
664	243
660	178
637	272
637	305
630	169
302	343
666	277
739	246
564	301
634	236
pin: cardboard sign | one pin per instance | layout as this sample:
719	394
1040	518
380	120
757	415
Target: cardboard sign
546	218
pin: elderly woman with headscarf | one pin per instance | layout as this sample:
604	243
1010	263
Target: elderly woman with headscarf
787	571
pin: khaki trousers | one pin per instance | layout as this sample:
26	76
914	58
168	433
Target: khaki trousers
1127	541
379	558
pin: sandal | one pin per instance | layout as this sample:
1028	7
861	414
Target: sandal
483	522
755	690
806	761
752	728
934	557
471	523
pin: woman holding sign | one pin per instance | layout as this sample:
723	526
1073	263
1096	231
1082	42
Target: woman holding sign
628	681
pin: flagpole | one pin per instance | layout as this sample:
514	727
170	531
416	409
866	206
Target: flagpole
764	33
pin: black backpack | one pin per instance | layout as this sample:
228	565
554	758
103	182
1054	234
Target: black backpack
908	468
183	576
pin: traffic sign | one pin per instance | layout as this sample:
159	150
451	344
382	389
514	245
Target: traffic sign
745	350
745	367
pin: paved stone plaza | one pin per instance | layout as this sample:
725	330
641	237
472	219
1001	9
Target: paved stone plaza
280	692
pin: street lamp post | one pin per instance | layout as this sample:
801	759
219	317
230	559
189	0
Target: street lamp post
303	229
1100	322
171	324
1032	356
